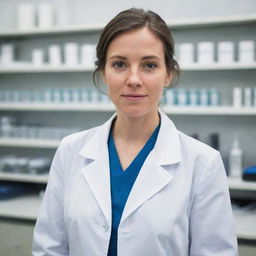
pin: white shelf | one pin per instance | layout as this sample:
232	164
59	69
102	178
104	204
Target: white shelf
174	24
101	107
187	110
33	178
42	69
28	143
218	66
25	207
245	224
239	184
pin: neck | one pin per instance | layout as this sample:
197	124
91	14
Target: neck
135	129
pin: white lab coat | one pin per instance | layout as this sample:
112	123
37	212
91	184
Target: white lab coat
178	206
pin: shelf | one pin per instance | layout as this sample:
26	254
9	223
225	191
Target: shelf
28	143
32	178
99	107
245	224
107	107
174	24
218	66
239	184
187	110
25	207
42	69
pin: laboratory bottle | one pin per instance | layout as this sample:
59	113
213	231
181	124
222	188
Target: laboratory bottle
235	159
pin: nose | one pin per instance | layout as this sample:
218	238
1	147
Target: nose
134	79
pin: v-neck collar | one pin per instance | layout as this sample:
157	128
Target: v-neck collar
134	162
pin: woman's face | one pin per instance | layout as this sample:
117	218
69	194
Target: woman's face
135	72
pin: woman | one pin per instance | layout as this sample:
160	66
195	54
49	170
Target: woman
135	186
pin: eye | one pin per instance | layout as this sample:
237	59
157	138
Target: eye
150	65
118	64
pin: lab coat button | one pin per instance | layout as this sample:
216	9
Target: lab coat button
105	227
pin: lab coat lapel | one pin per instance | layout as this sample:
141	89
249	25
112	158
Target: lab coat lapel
154	174
96	169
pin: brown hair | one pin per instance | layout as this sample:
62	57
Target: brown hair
132	19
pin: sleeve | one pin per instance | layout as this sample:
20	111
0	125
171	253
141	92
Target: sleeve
50	235
212	231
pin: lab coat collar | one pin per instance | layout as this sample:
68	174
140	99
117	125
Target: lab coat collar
154	174
168	139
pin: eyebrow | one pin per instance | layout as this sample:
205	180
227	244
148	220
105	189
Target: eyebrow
143	58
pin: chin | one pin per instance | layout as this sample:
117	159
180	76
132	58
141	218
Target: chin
137	111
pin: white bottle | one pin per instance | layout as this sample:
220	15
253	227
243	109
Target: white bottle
235	159
186	54
237	97
205	52
247	97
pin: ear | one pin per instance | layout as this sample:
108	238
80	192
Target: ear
168	79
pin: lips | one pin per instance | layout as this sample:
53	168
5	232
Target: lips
133	97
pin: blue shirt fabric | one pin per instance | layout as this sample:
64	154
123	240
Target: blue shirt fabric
122	181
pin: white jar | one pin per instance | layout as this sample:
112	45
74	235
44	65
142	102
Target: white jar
37	57
247	97
225	52
45	15
54	55
7	54
246	51
237	97
186	53
88	55
205	53
26	16
71	54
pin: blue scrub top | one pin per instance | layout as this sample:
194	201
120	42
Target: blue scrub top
122	181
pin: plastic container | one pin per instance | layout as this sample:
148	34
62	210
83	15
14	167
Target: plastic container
45	15
225	52
54	55
37	57
247	97
186	53
26	16
205	53
71	54
246	51
235	159
7	54
237	97
88	55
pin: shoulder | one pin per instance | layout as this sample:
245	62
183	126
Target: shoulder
77	140
197	151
